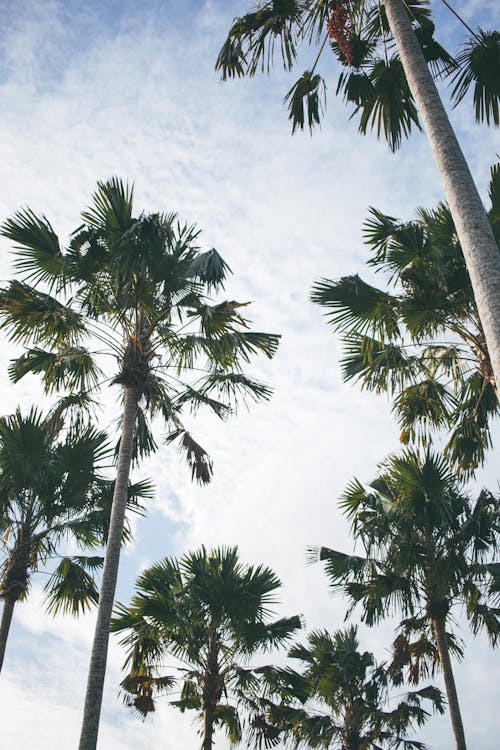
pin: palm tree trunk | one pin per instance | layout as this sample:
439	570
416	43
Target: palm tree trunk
208	728
211	691
97	669
438	623
474	231
8	611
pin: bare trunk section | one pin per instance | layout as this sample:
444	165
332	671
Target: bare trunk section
208	728
212	690
97	669
438	624
474	231
8	611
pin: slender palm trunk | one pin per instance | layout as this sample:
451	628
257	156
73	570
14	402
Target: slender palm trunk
211	691
8	611
97	670
474	231
208	728
438	624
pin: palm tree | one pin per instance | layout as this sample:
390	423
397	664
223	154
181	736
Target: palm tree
428	550
210	612
135	284
51	490
422	341
387	88
342	700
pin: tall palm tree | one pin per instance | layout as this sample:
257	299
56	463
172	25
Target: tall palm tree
135	285
422	341
51	490
210	612
428	550
387	88
343	701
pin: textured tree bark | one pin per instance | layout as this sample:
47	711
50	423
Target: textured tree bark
211	691
8	611
438	624
208	728
97	669
480	250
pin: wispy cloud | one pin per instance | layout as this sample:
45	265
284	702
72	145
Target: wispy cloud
129	89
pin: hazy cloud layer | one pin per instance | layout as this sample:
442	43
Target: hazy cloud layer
129	89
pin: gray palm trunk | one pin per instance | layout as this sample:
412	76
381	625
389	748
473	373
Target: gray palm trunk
438	624
208	728
473	229
15	581
8	610
211	692
97	669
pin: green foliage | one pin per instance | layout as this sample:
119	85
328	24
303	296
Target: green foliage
422	341
52	490
137	286
479	65
306	95
371	76
340	699
210	612
428	547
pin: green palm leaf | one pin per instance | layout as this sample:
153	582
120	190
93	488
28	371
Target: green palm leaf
307	96
71	367
479	65
29	315
390	108
39	255
208	610
70	588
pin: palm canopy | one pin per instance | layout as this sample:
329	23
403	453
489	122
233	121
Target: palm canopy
428	548
421	339
136	286
211	613
371	79
344	700
52	490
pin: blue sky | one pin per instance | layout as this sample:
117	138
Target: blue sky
128	88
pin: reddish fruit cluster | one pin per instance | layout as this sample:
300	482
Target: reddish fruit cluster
339	27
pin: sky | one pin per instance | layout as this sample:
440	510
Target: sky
124	88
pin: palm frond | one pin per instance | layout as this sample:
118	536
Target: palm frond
197	458
70	367
196	398
233	387
389	108
306	97
38	257
28	315
479	65
210	268
112	207
355	306
71	588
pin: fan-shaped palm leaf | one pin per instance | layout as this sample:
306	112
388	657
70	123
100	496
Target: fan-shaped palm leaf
479	65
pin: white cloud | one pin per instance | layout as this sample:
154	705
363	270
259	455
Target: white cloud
137	96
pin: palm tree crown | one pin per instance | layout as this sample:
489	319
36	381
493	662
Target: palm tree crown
209	611
371	79
428	548
389	60
342	700
422	341
52	490
137	285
